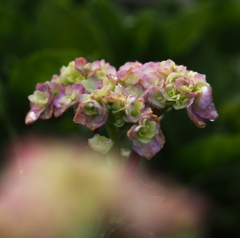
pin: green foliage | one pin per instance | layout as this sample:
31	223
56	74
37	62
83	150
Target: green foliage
39	67
183	32
199	158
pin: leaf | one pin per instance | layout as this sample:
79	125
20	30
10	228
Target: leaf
230	113
186	30
144	31
62	25
38	67
210	152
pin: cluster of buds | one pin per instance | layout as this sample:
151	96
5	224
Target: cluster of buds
136	94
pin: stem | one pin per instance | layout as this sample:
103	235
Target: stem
114	135
96	131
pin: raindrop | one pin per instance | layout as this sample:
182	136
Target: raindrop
212	120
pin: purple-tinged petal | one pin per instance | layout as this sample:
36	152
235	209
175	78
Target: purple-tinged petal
32	116
147	138
209	113
112	78
119	89
47	114
117	98
92	83
150	149
199	77
99	69
91	114
55	84
198	115
152	79
42	95
128	77
149	67
82	66
80	62
100	95
128	74
40	103
134	107
197	120
184	85
66	98
172	77
156	97
104	67
135	66
205	95
137	90
181	69
166	67
109	81
58	111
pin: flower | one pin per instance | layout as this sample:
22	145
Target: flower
201	107
134	107
70	75
137	93
40	103
67	97
128	74
150	75
91	114
156	97
147	138
100	144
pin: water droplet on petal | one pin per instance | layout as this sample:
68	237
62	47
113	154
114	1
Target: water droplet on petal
212	120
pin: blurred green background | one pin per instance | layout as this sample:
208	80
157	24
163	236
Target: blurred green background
38	37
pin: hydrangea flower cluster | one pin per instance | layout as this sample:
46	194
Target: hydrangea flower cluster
137	94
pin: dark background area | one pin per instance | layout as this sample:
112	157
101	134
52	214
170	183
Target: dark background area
38	37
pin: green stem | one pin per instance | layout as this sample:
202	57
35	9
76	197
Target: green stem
114	135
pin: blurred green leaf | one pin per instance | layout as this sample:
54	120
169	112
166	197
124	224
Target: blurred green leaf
209	152
185	30
39	67
107	21
59	26
144	31
230	113
15	29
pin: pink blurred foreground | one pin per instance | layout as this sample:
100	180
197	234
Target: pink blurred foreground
64	191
